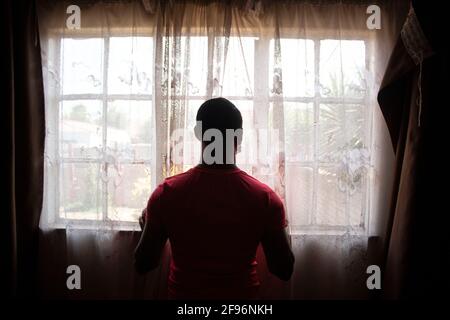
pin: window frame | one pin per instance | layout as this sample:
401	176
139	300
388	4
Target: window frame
55	218
260	96
312	227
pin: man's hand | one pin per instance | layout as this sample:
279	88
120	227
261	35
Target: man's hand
142	218
279	257
153	239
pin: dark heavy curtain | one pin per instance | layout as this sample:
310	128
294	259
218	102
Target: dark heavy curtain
23	137
417	253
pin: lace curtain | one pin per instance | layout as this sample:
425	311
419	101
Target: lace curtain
122	92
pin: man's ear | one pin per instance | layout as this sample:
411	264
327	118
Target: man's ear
198	130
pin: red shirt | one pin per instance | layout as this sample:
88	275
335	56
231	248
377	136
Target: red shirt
215	219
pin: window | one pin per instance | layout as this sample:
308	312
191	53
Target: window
103	122
104	119
326	122
231	78
327	132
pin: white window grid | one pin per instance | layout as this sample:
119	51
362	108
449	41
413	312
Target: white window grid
260	96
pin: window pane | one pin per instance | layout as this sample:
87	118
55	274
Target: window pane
129	129
188	70
341	132
299	193
234	68
82	65
355	184
81	131
80	191
331	201
130	65
342	68
299	131
341	196
191	145
129	188
248	152
198	65
297	68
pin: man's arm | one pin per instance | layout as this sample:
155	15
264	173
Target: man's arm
153	239
279	256
275	240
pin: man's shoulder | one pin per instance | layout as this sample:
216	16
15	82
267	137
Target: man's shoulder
243	179
176	180
255	181
257	185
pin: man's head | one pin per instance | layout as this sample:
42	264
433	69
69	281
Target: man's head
220	115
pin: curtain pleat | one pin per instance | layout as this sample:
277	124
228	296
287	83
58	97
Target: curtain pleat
23	135
412	98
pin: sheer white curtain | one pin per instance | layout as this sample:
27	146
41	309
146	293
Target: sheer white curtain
122	93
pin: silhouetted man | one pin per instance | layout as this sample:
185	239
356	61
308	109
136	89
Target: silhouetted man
215	215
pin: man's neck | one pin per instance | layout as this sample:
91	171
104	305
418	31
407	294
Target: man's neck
231	164
217	166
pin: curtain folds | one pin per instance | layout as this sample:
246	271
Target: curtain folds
23	128
303	73
415	254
